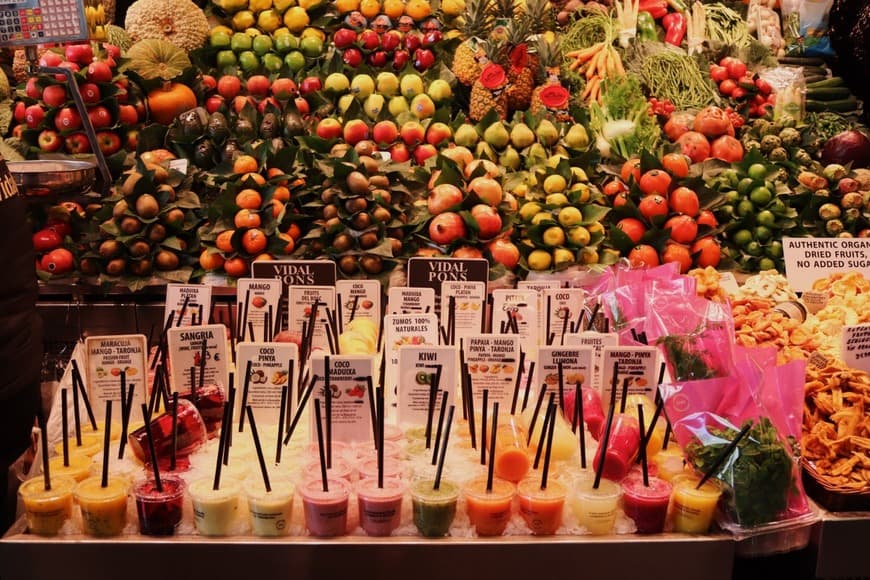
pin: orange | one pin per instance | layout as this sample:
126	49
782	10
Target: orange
653	205
684	200
620	199
291	243
258	179
706	252
264	257
633	228
676	164
236	267
630	168
210	260
370	8
683	229
678	253
394	8
246	218
281	194
254	241
294	231
706	218
245	164
224	241
643	256
418	9
277	208
249	199
655	181
614	187
275	172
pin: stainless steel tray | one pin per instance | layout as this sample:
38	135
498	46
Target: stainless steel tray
53	177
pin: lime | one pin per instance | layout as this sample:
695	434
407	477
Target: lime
745	186
778	206
272	62
742	237
226	59
249	61
731	176
766	264
757	171
753	249
761	196
731	197
727	210
262	44
763	233
295	60
220	39
284	43
745	208
241	42
765	218
774	249
311	46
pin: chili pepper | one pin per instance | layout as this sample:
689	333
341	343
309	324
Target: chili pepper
646	26
675	25
656	8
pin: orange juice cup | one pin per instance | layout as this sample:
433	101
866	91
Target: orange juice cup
47	510
669	463
694	508
104	509
489	511
512	460
541	508
79	467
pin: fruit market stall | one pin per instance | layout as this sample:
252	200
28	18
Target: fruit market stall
633	230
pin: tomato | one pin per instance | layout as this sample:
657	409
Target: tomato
695	146
718	73
630	168
736	68
726	61
676	164
738	93
655	181
712	122
706	218
652	206
678	124
728	149
684	200
683	228
614	187
61	227
727	87
763	86
642	256
46	239
632	227
57	261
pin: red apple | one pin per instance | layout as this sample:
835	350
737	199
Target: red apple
343	37
228	86
77	143
424	152
447	228
261	106
352	57
33	116
100	117
91	93
506	253
400	153
284	88
384	133
60	225
58	261
131	142
391	40
32	89
302	106
400	59
443	198
112	50
240	101
68	65
99	72
467	253
369	39
423	59
54	95
412	133
81	53
431	37
212	104
49	140
378	59
329	128
17	131
488	221
413	41
258	85
355	131
209	83
310	85
50	58
140	109
19	112
46	240
108	142
437	133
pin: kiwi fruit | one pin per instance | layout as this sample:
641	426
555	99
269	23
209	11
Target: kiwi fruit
120	209
330	211
380	181
147	206
342	242
356	204
166	260
156	233
368	240
139	248
141	267
370	164
361	221
381	215
365	147
382	196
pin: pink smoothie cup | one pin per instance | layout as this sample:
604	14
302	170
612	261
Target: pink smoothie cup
325	511
622	448
380	509
647	506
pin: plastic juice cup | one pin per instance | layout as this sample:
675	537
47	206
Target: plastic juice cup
393	433
694	508
159	511
271	511
413	433
210	404
670	463
104	509
214	510
47	510
489	512
341	469
512	461
622	448
434	509
325	511
593	411
340	450
380	508
596	508
116	429
191	434
393	468
647	506
92	443
79	467
541	508
391	449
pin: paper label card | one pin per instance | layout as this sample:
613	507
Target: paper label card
300	308
638	364
198	306
432	272
855	346
493	363
814	301
404	300
255	298
470	303
810	259
351	418
728	282
359	299
565	305
185	349
522	306
401	330
417	367
270	372
576	367
107	356
598	341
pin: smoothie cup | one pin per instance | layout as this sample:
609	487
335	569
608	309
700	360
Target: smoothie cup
647	506
210	404
191	434
159	511
596	508
621	449
489	512
104	509
393	469
670	463
325	511
79	467
694	508
214	510
114	435
541	508
271	510
92	443
341	469
434	509
391	449
47	510
512	462
380	509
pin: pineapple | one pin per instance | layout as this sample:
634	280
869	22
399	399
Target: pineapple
522	66
540	17
488	91
549	58
504	12
478	21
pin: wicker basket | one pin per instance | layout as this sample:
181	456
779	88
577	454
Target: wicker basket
831	497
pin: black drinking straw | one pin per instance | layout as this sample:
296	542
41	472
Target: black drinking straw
463	372
724	455
604	442
549	417
339	317
440	468
85	399
370	392
576	402
624	395
242	316
484	409
158	353
564	327
667	434
581	427
193	393
202	356
152	399
490	469
245	386
381	414
123	394
472	431
259	448
296	416
520	368
440	427
528	385
434	381
172	459
327	407
652	425
547	320
125	421
65	425
592	316
43	439
282	415
643	461
183	311
451	320
353	307
561	378
76	415
535	414
151	450
231	399
199	318
549	451
222	443
107	440
318	419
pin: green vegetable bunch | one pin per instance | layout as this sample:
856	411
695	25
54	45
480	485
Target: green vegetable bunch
759	472
622	124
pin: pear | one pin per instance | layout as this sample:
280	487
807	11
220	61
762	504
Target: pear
440	91
510	158
387	84
496	135
522	136
373	105
577	138
362	86
547	133
397	106
466	135
344	103
535	155
411	85
484	151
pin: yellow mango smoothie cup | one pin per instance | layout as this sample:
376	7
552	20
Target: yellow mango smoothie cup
46	510
694	508
104	509
79	467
